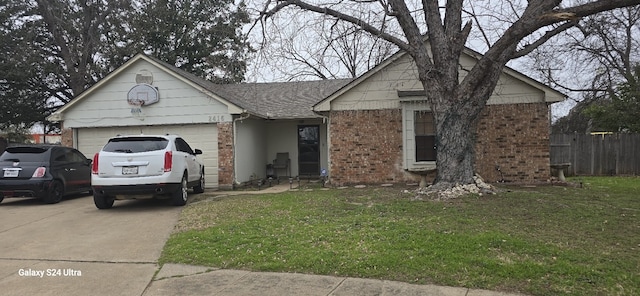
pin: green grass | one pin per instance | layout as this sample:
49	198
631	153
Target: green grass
539	241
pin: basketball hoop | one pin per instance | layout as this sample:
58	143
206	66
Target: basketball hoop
141	95
135	102
136	110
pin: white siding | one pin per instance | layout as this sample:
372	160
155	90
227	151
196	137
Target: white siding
199	136
250	151
283	137
380	91
509	89
179	103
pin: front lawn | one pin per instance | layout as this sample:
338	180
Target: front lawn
536	240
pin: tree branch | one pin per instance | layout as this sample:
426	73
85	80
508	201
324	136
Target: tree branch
474	15
589	8
336	14
527	49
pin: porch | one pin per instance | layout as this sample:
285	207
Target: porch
258	141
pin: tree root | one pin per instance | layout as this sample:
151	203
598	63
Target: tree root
446	191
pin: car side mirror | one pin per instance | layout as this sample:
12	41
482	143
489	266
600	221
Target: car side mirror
197	152
88	161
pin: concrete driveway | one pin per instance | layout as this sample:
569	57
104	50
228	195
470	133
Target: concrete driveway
72	248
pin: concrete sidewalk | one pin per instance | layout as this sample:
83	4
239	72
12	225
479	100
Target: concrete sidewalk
177	279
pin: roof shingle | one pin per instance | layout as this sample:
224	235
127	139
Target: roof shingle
281	100
274	100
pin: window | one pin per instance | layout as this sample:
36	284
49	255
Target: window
58	154
181	145
75	156
25	154
63	154
135	144
425	136
418	136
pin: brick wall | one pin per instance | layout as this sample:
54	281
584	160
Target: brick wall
225	155
516	139
366	146
67	137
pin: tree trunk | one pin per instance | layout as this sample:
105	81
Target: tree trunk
456	108
456	117
455	146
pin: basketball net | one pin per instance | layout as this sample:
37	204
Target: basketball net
136	107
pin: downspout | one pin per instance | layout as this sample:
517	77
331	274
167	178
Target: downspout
326	120
244	115
74	140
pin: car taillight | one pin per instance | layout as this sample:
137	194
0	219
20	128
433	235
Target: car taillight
39	173
94	164
168	161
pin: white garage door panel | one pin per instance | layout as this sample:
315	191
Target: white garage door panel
200	136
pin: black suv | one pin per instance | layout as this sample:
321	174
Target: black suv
45	172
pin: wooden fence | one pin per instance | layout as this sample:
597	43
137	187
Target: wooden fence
597	155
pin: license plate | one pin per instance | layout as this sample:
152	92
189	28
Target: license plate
11	173
130	170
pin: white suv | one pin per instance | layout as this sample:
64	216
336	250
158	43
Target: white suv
144	166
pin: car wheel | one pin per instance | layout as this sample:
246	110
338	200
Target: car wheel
200	187
102	201
179	197
1	197
54	193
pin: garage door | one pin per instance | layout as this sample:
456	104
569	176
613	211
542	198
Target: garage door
200	136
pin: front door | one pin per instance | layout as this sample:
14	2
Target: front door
309	150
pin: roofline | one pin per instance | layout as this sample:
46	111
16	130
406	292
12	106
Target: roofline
396	56
57	116
468	51
153	61
522	77
98	84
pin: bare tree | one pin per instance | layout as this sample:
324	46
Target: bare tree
456	103
315	49
602	51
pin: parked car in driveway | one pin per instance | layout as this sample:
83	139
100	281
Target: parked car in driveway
146	166
46	172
